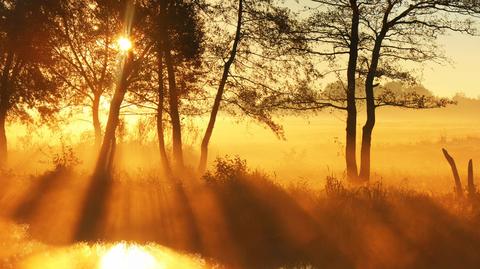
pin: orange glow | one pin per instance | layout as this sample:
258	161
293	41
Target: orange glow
128	256
124	44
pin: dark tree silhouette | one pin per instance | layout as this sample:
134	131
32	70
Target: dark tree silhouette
250	61
176	31
329	25
84	52
399	31
220	90
389	32
131	63
25	55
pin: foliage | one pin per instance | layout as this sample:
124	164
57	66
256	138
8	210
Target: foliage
66	158
227	169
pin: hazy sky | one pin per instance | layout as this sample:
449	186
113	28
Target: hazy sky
463	75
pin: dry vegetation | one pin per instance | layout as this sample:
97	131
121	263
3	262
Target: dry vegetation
240	219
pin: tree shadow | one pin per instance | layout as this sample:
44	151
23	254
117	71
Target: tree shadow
93	210
34	197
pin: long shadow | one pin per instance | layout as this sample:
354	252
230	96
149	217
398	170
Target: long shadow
439	238
33	199
183	201
115	210
272	230
94	208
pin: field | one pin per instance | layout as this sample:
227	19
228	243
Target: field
235	218
290	207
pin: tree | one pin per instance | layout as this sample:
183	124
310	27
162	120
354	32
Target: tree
328	34
403	31
332	32
25	83
220	90
130	67
178	53
84	52
248	63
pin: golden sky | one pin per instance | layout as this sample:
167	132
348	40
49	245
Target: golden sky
463	75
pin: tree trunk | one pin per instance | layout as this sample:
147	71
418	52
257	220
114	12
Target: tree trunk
218	98
172	88
3	138
370	100
351	130
96	120
174	112
160	129
105	158
4	105
94	205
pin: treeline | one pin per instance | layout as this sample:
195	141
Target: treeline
178	59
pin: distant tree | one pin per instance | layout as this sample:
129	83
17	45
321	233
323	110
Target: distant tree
25	84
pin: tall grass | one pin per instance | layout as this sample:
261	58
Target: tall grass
242	219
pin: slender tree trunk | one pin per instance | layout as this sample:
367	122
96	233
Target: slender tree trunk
4	105
172	88
3	138
221	88
174	112
106	155
160	129
370	100
351	130
96	120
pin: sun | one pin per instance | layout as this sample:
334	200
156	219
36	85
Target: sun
125	256
124	44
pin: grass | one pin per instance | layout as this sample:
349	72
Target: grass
238	218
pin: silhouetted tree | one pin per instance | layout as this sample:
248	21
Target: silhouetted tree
409	33
129	69
25	55
333	31
86	33
220	90
250	62
402	31
175	30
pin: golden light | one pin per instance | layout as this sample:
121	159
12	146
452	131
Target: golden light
123	256
124	44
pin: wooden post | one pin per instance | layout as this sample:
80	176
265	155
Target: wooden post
458	183
471	184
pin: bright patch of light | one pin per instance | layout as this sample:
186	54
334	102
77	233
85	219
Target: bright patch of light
124	44
123	256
